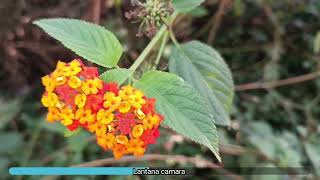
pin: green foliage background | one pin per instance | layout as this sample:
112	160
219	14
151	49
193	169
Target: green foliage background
261	41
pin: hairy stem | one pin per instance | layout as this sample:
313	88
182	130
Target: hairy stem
173	38
163	44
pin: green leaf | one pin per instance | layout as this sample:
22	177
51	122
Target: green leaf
54	127
68	133
116	75
313	152
183	107
186	5
4	165
8	110
79	142
92	42
198	12
10	142
204	68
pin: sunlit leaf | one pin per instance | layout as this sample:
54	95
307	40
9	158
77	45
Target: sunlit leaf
92	42
204	68
183	107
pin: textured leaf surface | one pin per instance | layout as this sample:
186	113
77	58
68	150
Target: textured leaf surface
184	109
313	151
204	68
116	75
186	5
90	41
68	133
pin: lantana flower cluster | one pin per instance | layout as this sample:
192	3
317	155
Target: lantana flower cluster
123	119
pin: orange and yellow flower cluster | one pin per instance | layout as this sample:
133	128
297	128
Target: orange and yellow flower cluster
123	119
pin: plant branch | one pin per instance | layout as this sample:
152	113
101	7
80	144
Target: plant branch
163	44
217	21
278	83
197	161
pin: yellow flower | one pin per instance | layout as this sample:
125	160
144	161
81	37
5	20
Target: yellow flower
136	99
80	100
67	116
121	139
49	100
126	92
74	82
85	116
59	72
105	117
137	131
110	140
92	86
53	115
73	69
150	121
61	65
75	63
80	115
112	101
101	130
49	83
124	107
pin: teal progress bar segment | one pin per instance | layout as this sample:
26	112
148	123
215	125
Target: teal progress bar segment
73	170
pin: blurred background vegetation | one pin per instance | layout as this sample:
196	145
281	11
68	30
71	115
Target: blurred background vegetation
271	47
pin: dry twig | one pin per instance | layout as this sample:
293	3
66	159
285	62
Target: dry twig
278	83
217	20
197	161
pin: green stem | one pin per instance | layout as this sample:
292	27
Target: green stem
163	44
150	46
173	39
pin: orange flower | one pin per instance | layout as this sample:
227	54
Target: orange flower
107	141
151	121
53	115
136	146
121	139
119	150
124	121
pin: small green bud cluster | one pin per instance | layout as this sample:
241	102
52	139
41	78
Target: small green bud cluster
151	14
